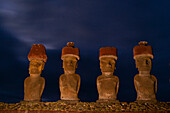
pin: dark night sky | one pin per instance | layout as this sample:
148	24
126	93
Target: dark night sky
91	24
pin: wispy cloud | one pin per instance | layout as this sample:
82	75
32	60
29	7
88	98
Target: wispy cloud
41	22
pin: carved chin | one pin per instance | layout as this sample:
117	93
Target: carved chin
107	70
71	72
70	69
144	69
34	71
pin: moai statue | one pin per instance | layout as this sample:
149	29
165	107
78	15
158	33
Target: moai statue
34	85
69	82
145	83
107	83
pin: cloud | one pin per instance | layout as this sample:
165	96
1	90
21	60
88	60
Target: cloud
39	22
54	23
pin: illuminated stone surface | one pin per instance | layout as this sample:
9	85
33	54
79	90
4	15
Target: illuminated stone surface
34	85
145	83
69	82
107	83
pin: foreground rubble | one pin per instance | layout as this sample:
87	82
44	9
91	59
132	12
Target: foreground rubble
86	106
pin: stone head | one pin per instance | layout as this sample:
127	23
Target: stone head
37	57
143	55
70	64
36	67
107	64
143	63
70	55
108	57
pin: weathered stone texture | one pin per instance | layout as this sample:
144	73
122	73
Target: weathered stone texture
69	82
89	107
107	83
145	83
34	85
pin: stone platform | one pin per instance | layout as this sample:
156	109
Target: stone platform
84	107
15	111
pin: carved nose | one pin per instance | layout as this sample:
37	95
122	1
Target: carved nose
109	64
69	63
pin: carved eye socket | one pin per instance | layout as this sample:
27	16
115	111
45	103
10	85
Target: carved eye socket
38	64
147	62
110	63
102	62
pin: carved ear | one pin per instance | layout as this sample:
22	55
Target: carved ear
63	64
115	64
76	64
43	66
136	64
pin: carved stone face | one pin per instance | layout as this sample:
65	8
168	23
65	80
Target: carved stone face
69	64
107	64
143	63
36	67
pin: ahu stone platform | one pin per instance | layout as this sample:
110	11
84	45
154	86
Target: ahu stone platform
84	107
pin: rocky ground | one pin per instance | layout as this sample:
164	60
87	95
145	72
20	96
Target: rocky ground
86	106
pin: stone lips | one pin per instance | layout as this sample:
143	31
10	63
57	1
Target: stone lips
37	52
108	52
70	51
142	50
